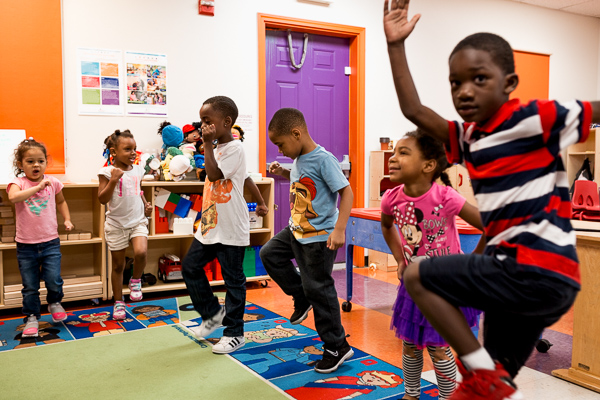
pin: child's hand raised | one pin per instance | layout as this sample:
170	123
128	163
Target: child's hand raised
116	173
396	25
275	168
43	184
208	133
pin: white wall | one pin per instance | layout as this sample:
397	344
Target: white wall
217	55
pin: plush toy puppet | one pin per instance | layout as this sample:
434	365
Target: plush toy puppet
172	137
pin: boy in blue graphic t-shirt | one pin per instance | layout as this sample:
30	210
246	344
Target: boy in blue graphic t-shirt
316	230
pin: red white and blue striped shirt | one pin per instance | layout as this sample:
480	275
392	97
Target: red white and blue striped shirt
520	182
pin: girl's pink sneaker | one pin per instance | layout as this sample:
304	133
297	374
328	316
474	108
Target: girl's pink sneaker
31	327
135	287
57	311
119	313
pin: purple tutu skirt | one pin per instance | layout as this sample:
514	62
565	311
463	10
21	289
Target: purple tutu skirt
412	326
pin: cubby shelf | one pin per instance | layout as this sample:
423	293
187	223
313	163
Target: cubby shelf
161	243
85	266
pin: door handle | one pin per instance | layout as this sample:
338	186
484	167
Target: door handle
346	165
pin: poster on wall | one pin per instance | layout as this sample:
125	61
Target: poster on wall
146	84
101	81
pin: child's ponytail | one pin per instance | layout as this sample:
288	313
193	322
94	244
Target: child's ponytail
445	179
433	149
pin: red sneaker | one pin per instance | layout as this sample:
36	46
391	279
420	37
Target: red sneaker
486	384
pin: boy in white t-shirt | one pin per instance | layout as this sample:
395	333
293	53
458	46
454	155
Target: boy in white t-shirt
224	229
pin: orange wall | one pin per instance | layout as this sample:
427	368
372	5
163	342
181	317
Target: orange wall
534	76
31	78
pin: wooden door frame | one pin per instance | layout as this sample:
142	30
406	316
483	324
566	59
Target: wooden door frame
356	125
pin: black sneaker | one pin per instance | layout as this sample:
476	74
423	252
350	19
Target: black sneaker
332	359
301	309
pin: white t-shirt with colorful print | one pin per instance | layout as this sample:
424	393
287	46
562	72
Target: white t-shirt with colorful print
125	209
225	217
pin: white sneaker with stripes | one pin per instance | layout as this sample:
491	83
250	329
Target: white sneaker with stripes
227	344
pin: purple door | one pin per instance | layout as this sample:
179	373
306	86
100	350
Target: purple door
319	89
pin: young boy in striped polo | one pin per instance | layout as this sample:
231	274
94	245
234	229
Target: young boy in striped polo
528	276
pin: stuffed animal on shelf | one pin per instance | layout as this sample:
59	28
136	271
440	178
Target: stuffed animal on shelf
172	137
151	165
165	164
174	167
237	132
179	166
191	137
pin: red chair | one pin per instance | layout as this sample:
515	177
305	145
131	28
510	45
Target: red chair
586	201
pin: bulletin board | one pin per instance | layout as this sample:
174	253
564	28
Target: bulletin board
31	74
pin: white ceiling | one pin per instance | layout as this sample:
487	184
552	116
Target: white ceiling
583	7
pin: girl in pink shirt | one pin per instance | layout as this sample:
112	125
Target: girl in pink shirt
424	212
36	198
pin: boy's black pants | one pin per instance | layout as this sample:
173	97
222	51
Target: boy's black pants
315	283
519	301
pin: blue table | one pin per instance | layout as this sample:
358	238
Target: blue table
364	230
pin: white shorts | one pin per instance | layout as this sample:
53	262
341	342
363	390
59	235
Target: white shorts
118	238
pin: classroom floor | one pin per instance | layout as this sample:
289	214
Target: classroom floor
179	361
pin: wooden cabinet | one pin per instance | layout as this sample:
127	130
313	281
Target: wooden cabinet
161	243
585	356
459	177
379	182
83	265
577	153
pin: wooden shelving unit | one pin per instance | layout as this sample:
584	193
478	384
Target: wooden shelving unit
85	266
379	182
577	153
161	243
585	363
83	261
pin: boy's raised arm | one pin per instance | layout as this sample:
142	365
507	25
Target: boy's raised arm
397	28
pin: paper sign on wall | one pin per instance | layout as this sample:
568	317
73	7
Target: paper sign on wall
9	140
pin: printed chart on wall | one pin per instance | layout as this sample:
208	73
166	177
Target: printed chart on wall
146	84
101	81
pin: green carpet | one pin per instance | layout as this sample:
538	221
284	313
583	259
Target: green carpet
159	363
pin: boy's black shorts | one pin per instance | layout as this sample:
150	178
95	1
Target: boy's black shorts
518	303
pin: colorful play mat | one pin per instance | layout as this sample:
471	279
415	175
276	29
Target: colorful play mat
127	360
